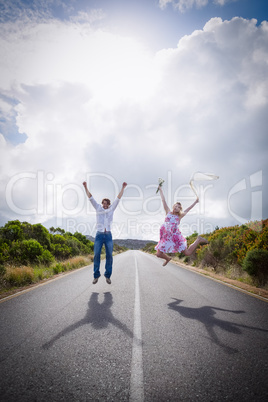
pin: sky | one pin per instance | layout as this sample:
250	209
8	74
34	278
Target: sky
107	91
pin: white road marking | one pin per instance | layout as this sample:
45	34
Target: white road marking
136	379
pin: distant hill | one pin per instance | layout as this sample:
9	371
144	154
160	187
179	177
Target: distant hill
132	244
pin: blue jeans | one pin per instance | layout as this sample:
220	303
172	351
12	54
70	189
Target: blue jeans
106	239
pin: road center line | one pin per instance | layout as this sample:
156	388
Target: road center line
136	379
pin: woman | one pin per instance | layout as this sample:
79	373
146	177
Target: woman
171	239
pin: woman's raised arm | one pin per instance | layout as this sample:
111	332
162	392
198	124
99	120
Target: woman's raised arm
163	200
189	208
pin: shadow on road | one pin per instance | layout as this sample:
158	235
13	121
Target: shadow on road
99	315
206	315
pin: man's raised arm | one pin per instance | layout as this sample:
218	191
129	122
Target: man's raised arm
122	190
87	191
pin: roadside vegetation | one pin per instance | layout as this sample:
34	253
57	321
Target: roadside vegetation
31	253
237	252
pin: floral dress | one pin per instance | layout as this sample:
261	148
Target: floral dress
171	239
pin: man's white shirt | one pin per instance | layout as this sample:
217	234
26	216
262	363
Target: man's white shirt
104	216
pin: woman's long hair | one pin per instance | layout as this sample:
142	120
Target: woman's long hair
180	211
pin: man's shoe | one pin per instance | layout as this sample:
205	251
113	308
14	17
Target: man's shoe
108	280
95	280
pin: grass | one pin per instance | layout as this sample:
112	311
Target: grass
19	276
16	277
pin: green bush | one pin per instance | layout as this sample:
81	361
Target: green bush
23	243
2	271
12	231
256	265
61	251
75	245
82	238
79	244
57	269
58	239
4	252
150	248
26	252
46	258
41	234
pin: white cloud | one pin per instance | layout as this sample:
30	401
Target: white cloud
89	17
223	2
34	10
93	102
183	5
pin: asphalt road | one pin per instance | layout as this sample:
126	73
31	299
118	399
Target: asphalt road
154	334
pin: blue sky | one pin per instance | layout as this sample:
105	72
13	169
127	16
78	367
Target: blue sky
112	91
157	26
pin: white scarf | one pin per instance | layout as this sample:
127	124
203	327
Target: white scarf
200	176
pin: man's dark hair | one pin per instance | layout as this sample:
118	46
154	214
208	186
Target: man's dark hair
107	200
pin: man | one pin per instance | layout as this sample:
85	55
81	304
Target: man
104	215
